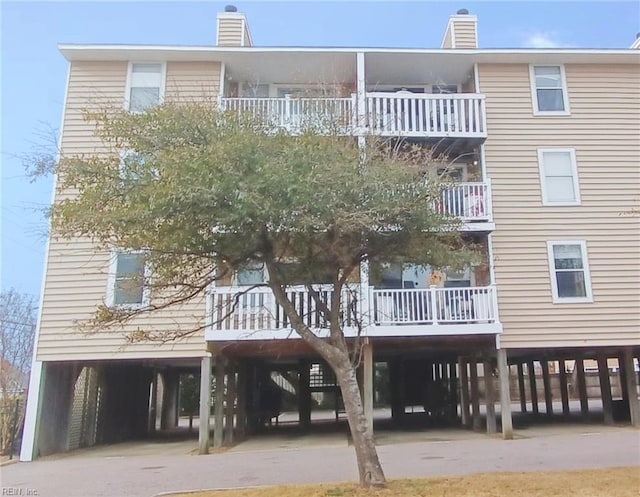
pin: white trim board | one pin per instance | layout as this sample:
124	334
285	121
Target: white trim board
588	298
534	93
543	177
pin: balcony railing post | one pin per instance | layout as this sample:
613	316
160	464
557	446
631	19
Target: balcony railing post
494	303
489	199
433	299
483	115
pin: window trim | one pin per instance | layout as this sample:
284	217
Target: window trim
235	279
111	281
585	267
543	177
534	93
163	78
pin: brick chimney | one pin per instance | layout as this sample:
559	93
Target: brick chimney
462	31
232	28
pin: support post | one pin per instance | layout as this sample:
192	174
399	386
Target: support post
368	384
475	396
582	386
534	389
465	415
153	403
205	405
546	381
521	388
218	408
231	405
564	390
505	395
304	395
168	417
631	386
490	397
241	415
605	389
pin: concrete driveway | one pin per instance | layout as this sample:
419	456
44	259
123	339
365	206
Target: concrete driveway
145	472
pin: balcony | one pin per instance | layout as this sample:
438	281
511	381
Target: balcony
416	115
471	202
295	114
426	115
256	310
255	314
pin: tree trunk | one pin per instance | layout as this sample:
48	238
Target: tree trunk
369	467
335	351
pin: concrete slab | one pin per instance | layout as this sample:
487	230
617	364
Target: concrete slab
103	474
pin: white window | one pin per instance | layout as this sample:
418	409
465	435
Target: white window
558	176
250	274
569	268
145	86
128	277
549	90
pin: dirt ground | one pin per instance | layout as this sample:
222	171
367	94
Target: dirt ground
609	482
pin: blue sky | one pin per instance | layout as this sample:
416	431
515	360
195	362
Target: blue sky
34	73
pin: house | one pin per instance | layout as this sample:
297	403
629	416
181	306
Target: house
543	146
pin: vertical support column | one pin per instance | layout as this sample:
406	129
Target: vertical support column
153	403
241	414
534	389
546	381
230	404
521	388
505	395
564	390
475	396
452	413
33	412
304	395
605	389
218	408
368	384
465	415
631	386
366	314
361	89
168	417
395	382
490	397
205	405
582	386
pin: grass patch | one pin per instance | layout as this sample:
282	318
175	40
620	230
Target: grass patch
618	482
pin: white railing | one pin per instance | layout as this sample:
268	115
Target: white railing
468	201
235	308
296	114
468	305
420	114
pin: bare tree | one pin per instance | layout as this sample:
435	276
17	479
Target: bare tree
17	330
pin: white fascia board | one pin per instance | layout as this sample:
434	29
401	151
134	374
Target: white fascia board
69	50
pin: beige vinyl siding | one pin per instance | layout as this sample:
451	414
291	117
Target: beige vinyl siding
77	274
465	34
446	42
604	129
92	85
192	81
230	32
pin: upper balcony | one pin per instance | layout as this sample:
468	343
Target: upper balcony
424	115
295	113
400	114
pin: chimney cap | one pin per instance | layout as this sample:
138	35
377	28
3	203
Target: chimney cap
463	12
230	8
